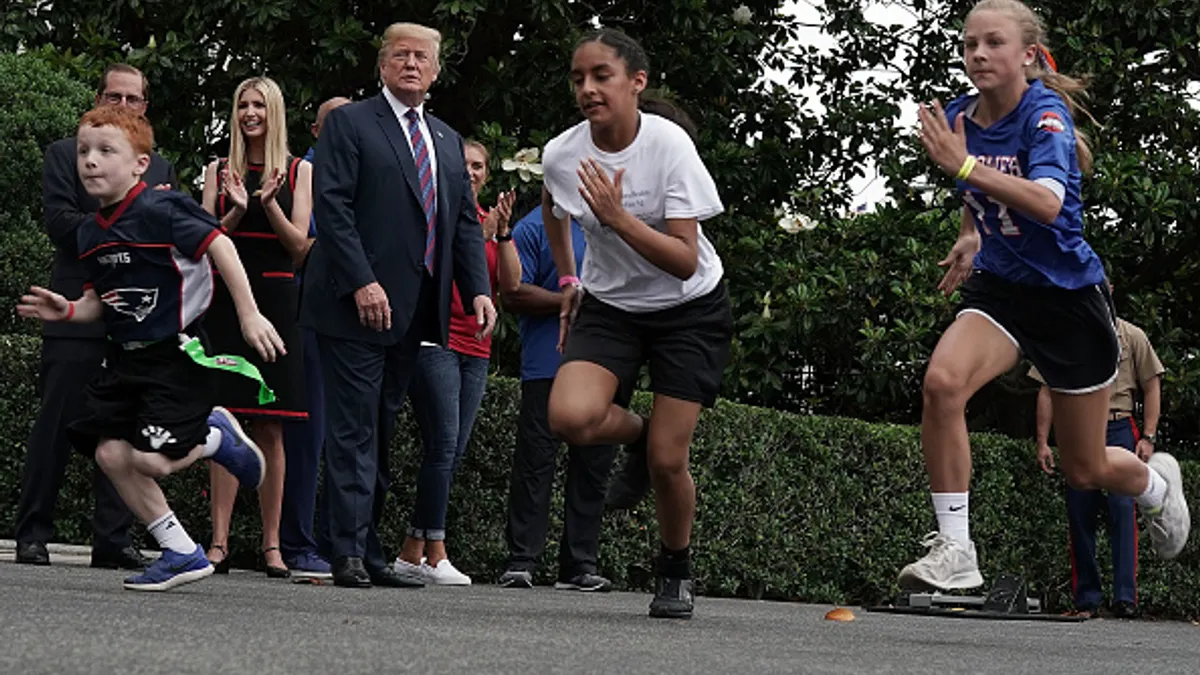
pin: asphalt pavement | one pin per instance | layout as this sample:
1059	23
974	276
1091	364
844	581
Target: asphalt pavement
68	619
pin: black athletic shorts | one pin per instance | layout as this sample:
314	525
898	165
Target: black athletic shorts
155	397
1069	335
686	346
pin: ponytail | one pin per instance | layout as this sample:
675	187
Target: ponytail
1071	90
657	102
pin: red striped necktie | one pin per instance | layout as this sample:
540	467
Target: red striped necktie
425	174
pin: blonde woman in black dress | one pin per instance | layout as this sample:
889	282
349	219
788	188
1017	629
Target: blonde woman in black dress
263	197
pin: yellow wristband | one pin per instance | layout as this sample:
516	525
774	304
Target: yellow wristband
967	167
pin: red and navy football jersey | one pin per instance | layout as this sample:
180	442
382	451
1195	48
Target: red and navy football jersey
1035	141
146	261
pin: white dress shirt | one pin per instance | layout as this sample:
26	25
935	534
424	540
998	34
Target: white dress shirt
401	110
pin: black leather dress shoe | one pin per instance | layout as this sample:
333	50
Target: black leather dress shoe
32	553
1125	610
128	558
390	578
351	573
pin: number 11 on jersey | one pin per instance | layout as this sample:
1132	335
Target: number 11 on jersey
1007	227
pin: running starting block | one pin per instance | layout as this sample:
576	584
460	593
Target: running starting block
1007	599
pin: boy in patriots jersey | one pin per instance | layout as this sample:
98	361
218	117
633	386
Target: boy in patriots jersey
149	412
1033	287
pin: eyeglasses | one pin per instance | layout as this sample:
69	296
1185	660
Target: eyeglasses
113	98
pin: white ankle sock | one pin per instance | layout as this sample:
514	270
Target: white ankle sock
953	514
212	442
170	534
1155	493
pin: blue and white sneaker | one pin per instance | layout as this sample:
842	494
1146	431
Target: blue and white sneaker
308	565
171	570
238	453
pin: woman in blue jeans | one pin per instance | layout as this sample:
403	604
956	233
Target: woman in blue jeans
446	391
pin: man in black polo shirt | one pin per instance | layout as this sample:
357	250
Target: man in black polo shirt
72	352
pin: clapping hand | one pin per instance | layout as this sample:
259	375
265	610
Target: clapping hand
270	188
235	189
497	221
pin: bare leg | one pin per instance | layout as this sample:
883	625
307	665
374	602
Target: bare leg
581	408
223	487
139	491
971	353
1080	422
411	550
671	426
268	435
435	552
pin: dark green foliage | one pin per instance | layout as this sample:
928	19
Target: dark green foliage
792	507
38	105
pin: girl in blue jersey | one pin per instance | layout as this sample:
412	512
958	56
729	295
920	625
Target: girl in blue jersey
1033	287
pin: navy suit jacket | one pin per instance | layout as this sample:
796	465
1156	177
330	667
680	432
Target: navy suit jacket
371	226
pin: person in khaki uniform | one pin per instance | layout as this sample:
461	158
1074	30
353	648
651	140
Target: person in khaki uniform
1138	368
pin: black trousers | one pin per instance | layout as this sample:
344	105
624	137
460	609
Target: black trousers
67	366
531	484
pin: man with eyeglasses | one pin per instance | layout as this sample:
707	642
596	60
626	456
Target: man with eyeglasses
73	352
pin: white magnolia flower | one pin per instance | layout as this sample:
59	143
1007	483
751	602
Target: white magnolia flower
525	163
766	313
794	222
742	15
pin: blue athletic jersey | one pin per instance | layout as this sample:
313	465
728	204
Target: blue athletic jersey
145	259
1034	141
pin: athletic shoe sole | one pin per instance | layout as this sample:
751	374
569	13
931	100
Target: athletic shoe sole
670	612
177	580
1168	468
245	438
912	581
568	586
516	583
305	574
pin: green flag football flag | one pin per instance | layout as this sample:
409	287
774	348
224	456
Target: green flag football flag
234	364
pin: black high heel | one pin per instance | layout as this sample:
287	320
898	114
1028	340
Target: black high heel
223	566
272	571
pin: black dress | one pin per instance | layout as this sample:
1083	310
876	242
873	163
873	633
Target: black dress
272	280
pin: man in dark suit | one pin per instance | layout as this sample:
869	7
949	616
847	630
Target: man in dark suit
72	352
397	227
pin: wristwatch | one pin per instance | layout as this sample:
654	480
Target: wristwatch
504	237
1150	437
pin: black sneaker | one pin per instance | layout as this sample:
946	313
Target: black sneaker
586	582
632	483
673	598
516	579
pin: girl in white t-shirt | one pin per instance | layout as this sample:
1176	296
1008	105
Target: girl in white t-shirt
636	185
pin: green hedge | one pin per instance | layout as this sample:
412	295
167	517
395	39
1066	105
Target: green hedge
792	507
38	105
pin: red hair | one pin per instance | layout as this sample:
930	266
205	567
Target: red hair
137	129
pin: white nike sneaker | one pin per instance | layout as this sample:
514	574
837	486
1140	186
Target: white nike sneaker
949	565
410	572
1169	524
444	574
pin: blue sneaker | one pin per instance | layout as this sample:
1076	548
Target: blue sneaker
171	570
238	454
308	565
